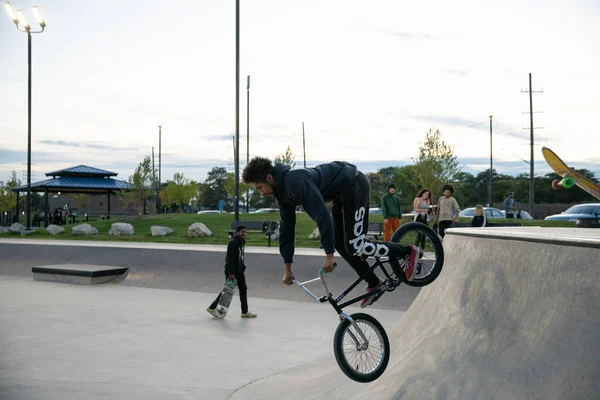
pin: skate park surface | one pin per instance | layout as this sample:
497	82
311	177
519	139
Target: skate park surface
514	314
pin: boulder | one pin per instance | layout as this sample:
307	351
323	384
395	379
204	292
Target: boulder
16	227
55	230
84	229
160	230
315	234
198	229
121	228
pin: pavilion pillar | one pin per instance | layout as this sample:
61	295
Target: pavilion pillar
46	209
17	208
108	205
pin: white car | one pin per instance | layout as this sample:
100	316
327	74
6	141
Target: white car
490	213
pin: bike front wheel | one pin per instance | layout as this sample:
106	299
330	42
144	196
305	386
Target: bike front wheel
431	257
361	361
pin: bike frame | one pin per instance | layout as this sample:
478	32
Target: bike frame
335	303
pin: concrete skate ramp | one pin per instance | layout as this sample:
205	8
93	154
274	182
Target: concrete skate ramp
515	314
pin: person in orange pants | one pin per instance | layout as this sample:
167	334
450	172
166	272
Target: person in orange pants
392	212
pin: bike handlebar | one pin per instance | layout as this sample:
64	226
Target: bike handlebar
321	272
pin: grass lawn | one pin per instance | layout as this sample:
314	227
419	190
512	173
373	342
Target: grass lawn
218	224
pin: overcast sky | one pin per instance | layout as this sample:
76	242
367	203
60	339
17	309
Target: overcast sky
368	79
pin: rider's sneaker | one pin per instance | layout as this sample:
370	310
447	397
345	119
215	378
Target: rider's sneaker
409	264
367	301
248	315
213	312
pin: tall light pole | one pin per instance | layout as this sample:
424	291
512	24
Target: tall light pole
159	203
248	136
490	201
18	17
237	111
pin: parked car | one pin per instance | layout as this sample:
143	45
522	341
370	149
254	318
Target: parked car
580	211
490	213
374	210
212	212
266	210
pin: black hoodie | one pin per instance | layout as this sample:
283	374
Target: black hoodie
309	188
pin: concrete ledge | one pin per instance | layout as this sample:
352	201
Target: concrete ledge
575	237
82	274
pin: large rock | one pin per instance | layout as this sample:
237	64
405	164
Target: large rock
16	227
121	228
315	234
198	229
84	229
55	230
160	230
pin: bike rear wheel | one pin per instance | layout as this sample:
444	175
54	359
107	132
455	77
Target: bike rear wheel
430	262
359	361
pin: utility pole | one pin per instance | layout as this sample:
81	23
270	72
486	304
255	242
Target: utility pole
531	179
237	111
154	178
303	144
159	205
490	200
248	137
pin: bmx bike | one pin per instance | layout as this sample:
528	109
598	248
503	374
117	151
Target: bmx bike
360	343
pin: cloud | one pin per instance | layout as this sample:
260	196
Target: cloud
227	137
84	145
403	35
458	72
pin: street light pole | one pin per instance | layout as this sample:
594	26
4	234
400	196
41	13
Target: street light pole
237	112
490	201
18	17
248	137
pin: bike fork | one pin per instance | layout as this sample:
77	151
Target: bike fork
360	346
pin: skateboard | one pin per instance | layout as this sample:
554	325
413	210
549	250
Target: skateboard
226	296
570	178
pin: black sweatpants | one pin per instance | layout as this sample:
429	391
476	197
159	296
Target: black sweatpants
242	288
442	226
351	221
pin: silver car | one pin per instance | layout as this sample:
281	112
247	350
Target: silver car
490	213
580	211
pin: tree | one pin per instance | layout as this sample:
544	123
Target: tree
141	180
214	188
81	200
287	158
230	186
8	198
179	191
436	163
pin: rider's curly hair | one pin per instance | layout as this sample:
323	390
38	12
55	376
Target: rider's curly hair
257	170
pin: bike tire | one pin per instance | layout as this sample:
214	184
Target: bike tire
376	335
438	250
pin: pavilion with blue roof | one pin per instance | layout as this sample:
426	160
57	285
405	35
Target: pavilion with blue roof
79	179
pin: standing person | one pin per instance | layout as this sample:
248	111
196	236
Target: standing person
234	268
423	209
422	206
479	219
448	210
510	205
392	212
344	229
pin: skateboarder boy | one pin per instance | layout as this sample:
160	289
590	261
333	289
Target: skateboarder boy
234	268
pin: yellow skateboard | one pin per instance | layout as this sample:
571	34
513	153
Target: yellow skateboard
570	178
